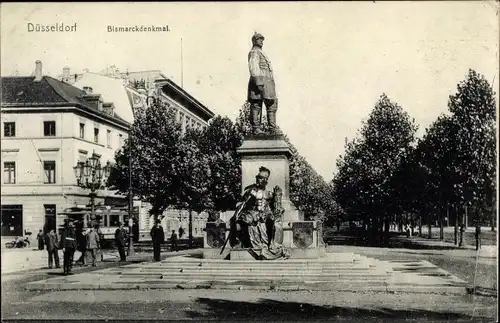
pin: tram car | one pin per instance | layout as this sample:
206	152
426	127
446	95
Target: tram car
107	217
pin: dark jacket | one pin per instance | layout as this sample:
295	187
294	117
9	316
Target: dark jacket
120	238
157	235
261	74
68	238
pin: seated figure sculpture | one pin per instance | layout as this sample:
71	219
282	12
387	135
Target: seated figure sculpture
257	222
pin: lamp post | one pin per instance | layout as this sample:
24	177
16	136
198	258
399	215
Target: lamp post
91	175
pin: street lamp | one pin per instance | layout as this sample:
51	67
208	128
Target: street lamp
91	175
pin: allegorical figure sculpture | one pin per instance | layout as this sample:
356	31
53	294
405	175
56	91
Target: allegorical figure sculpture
261	87
257	222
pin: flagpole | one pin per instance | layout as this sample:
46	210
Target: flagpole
182	67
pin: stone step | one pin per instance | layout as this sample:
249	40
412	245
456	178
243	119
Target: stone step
322	286
267	263
255	274
329	257
245	270
175	266
259	276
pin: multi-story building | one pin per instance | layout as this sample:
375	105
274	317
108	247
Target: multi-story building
130	90
47	127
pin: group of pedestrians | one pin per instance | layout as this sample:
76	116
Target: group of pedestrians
74	238
71	240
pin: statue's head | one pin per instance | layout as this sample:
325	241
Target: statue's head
262	177
257	39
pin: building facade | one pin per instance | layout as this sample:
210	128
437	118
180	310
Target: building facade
47	127
137	89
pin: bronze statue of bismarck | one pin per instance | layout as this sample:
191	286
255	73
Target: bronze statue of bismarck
261	87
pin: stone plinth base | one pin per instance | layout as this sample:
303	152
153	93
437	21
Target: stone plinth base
244	254
215	253
310	253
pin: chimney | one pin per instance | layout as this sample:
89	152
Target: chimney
88	90
38	71
65	76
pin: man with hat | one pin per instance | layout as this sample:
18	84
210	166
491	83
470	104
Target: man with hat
158	238
120	241
261	87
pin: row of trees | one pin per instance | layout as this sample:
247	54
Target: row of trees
386	174
199	169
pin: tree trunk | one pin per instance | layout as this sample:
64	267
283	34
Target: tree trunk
447	215
493	213
477	224
441	231
386	235
455	232
420	225
190	229
429	226
461	238
466	222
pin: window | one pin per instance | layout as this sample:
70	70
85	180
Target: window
9	172
96	135
50	218
49	168
82	130
108	138
9	129
114	220
82	156
120	139
12	220
49	128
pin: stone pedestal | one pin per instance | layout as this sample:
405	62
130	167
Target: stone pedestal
214	236
300	237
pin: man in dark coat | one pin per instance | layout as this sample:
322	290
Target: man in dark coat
173	241
52	243
120	241
81	243
158	237
261	87
68	241
40	239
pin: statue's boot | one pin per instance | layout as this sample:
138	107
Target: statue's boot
255	119
271	121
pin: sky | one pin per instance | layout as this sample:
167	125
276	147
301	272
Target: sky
331	60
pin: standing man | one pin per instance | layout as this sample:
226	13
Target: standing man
158	238
52	243
93	243
120	241
40	239
81	242
68	240
261	87
173	241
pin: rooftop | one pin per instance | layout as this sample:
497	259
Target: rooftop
25	91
